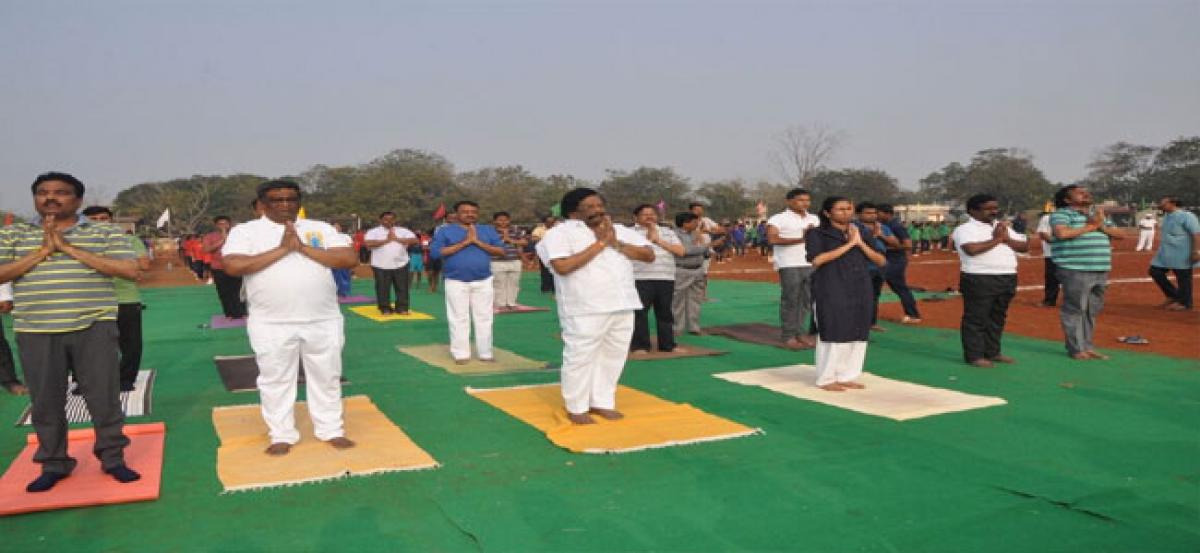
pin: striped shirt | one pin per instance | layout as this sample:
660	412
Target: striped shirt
61	294
1087	252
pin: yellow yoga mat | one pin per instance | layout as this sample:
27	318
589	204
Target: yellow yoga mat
438	355
372	312
380	447
882	397
650	422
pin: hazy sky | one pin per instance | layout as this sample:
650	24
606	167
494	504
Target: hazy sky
122	92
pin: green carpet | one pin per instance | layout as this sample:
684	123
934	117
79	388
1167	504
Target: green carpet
1086	457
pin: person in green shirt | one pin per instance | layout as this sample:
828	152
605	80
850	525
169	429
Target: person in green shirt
129	305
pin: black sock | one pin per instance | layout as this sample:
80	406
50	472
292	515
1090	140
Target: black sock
44	482
123	474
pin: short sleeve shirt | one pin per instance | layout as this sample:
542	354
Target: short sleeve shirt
127	290
604	285
1000	260
663	266
294	289
61	294
792	225
1091	251
1178	232
392	255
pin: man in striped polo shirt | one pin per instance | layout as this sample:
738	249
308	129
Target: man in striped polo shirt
65	320
1083	256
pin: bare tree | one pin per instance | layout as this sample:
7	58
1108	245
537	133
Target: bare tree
800	151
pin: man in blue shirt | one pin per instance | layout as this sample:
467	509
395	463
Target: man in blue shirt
873	232
897	262
466	250
1178	251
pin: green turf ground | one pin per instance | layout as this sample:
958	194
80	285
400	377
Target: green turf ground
1085	457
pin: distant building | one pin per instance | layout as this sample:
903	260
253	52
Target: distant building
922	213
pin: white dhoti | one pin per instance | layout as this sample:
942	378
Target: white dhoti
279	349
1145	240
468	302
507	275
594	351
839	361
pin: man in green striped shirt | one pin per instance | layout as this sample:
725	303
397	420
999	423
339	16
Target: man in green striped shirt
64	317
1083	256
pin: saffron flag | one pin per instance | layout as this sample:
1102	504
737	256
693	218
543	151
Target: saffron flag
301	214
164	218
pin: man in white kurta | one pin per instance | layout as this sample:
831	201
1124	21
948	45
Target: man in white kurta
594	287
293	313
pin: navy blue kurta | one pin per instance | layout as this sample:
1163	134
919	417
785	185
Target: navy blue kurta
841	289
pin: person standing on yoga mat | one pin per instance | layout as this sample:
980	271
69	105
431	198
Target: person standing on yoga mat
229	288
843	293
785	231
65	319
655	282
467	249
389	261
594	286
294	314
988	279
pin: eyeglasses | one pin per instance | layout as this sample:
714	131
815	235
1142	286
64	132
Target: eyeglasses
281	201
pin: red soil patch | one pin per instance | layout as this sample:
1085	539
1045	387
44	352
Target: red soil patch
1130	308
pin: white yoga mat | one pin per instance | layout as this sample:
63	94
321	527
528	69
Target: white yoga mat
882	397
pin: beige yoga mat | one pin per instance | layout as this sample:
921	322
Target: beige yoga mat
681	350
882	397
438	355
381	447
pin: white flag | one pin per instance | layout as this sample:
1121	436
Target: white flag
164	218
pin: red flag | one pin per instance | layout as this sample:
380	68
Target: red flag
8	219
440	213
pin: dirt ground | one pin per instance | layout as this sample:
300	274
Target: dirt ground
1130	307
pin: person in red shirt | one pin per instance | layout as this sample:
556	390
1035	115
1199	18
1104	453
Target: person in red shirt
229	288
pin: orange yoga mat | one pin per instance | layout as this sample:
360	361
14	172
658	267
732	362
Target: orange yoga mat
88	484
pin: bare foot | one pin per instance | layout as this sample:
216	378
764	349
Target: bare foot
1081	356
640	352
796	344
833	387
17	389
910	320
982	363
1095	355
1004	359
610	414
581	418
1176	307
809	341
1167	304
852	385
877	328
278	448
341	442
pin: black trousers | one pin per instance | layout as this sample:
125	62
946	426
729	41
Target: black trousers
92	354
1182	294
129	341
893	274
1052	285
985	308
657	295
8	369
229	291
877	286
547	277
387	280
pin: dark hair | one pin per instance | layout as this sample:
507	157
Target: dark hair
254	203
220	218
277	184
639	209
461	203
96	210
571	200
685	217
828	205
977	201
1173	199
886	208
500	214
1060	196
61	177
386	213
797	192
694	205
864	205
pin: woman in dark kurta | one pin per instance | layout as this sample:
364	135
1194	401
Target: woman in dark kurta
842	291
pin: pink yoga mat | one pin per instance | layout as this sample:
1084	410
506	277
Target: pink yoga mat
355	299
221	321
520	309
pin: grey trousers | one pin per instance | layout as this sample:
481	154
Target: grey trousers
689	296
1083	299
795	300
91	354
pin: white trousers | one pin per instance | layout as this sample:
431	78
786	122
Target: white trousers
468	302
1145	240
594	350
839	361
507	275
279	349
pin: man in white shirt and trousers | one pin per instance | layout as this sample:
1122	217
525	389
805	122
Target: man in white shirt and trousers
294	312
389	262
594	287
988	279
785	231
1146	232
